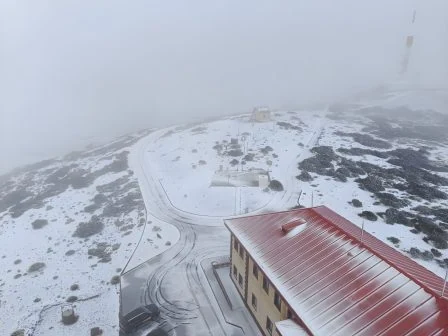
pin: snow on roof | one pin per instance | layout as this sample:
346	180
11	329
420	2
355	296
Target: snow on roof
338	285
290	328
262	109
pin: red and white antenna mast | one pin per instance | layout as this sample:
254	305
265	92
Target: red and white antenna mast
409	45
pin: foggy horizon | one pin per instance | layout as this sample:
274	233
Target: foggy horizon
73	74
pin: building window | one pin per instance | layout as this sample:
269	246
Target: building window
269	325
241	251
234	271
240	280
289	314
255	271
235	244
277	301
265	284
254	301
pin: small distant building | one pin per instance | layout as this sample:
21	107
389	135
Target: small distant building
252	177
261	114
311	272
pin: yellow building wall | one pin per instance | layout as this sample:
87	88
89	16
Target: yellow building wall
265	302
240	264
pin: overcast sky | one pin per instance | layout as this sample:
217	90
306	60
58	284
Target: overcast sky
73	72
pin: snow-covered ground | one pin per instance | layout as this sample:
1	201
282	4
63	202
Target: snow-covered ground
81	267
336	195
84	217
185	160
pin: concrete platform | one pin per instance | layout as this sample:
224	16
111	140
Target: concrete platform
217	272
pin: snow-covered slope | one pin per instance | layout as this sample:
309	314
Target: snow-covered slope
69	225
67	229
392	159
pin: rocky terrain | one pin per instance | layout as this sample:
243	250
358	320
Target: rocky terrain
399	157
68	226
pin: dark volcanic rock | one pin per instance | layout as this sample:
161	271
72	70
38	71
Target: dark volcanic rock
397	216
39	223
325	151
276	185
304	176
235	152
362	151
123	204
441	214
115	280
382	127
391	200
102	252
436	253
286	125
367	140
393	240
320	164
369	215
425	191
356	203
13	198
113	186
19	332
72	299
92	227
249	157
428	227
343	172
96	331
339	176
400	186
409	157
417	254
423	210
371	183
266	150
36	267
69	253
234	162
316	164
352	166
74	287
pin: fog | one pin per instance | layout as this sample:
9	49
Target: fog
76	72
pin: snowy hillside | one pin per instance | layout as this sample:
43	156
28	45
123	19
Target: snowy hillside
67	229
69	226
384	166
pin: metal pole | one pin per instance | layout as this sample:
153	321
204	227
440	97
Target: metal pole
312	198
362	230
446	277
240	202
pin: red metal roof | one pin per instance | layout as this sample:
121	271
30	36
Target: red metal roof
338	285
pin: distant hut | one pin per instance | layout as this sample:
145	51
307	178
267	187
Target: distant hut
261	114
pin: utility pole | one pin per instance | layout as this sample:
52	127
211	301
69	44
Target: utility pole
240	201
362	230
446	278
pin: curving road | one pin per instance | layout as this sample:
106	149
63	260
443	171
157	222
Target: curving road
174	280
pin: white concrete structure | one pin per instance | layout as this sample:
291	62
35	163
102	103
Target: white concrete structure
261	114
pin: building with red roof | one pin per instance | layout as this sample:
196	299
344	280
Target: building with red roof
311	272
